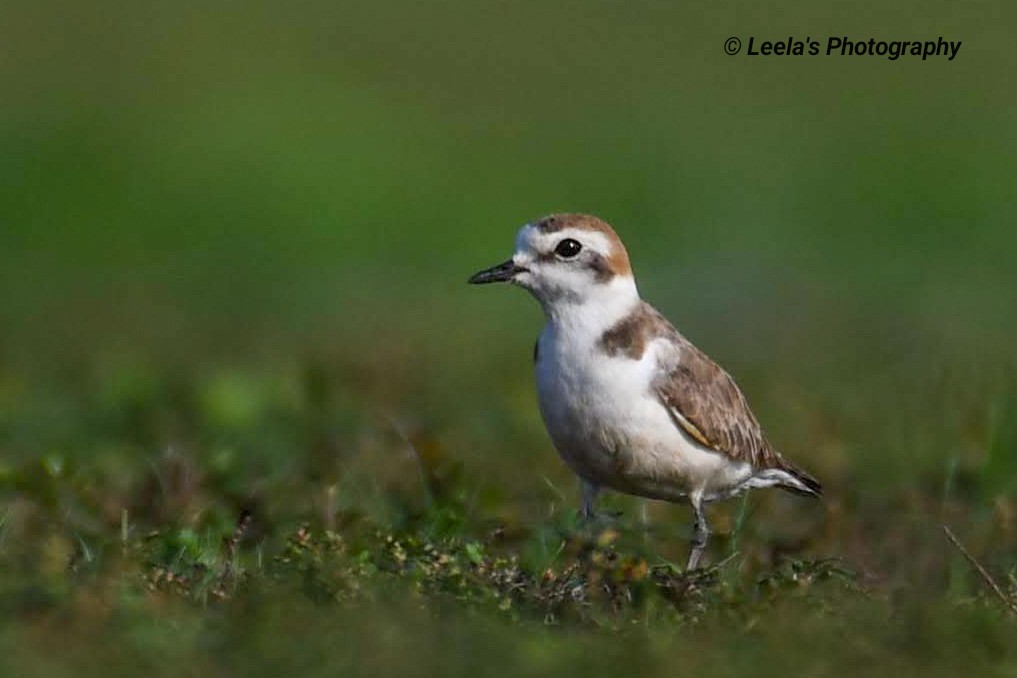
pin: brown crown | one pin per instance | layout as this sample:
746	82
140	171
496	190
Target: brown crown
617	260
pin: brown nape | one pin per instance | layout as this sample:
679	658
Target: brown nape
615	263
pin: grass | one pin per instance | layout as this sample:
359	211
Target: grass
374	546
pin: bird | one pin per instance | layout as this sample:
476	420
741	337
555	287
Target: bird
629	403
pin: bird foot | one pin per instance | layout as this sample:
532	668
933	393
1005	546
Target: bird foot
595	516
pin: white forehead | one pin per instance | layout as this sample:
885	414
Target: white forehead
532	240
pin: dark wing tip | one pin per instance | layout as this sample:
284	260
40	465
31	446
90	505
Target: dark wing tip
810	487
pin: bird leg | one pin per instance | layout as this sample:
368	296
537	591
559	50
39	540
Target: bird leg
701	533
590	492
589	514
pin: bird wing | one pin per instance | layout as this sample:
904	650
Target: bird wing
702	398
706	403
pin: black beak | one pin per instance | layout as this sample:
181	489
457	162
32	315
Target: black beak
503	272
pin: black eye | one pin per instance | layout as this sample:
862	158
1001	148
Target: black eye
567	248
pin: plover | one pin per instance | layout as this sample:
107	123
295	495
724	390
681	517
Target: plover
630	404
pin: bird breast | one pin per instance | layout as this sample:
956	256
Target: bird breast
610	428
599	409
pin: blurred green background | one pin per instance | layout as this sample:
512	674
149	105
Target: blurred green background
241	232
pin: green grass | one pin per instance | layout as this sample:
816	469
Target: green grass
233	252
367	544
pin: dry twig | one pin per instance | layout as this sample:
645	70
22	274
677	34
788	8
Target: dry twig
1007	601
230	545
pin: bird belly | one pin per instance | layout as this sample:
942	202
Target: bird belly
611	430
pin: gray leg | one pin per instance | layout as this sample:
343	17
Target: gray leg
590	492
701	532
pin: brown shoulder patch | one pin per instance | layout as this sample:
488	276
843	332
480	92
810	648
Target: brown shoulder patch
630	335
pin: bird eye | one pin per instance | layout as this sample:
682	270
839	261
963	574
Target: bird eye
567	248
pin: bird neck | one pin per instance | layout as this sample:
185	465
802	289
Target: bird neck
594	312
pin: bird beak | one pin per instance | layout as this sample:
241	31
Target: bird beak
504	272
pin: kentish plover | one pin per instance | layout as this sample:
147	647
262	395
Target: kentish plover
630	403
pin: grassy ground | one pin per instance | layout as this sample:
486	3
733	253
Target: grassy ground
287	526
253	422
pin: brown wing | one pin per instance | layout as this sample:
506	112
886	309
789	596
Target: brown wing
705	401
702	398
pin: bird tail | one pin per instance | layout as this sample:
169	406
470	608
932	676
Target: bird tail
799	481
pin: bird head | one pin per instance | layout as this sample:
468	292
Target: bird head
566	260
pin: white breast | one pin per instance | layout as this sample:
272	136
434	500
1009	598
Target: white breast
609	427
